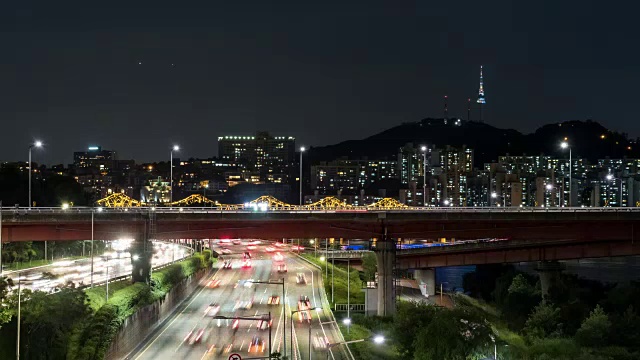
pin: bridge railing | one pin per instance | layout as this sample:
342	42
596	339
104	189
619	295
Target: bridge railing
218	210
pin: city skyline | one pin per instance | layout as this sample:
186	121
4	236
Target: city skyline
187	75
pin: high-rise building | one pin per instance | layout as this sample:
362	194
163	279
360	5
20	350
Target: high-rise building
349	176
94	157
267	158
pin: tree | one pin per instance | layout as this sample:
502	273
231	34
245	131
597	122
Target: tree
5	312
521	298
543	322
370	266
452	335
595	329
409	319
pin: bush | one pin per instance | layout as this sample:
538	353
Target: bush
93	339
595	329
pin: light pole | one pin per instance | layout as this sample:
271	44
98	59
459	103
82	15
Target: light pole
36	144
565	145
93	211
549	188
297	311
302	149
174	148
424	175
494	195
19	318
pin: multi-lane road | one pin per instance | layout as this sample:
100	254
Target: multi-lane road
114	263
193	333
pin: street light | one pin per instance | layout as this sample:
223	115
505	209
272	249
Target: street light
424	175
302	149
565	145
318	309
36	144
174	148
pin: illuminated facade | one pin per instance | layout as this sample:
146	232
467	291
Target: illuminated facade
156	191
261	158
350	175
94	157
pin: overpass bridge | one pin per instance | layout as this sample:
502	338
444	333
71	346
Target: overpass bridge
533	234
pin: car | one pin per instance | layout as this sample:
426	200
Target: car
256	345
226	251
278	244
264	323
212	310
235	324
246	264
304	303
282	268
269	249
213	283
246	255
278	257
320	342
227	264
273	300
304	316
251	247
236	242
194	337
301	279
243	304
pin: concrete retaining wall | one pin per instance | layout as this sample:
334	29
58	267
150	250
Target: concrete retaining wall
136	328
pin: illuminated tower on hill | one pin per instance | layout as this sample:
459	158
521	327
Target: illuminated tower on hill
481	100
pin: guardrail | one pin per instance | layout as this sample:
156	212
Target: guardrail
346	254
209	210
349	307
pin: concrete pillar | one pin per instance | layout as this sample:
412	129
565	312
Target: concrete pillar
386	254
426	278
548	272
141	253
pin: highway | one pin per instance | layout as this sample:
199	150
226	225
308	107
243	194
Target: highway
79	271
191	333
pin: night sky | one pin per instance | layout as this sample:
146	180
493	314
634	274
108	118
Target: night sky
140	76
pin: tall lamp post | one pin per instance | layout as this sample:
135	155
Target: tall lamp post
424	175
565	145
302	149
175	148
36	144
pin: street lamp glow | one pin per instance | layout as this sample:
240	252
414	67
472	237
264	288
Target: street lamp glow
135	257
302	149
346	321
100	209
322	258
564	144
65	206
447	202
311	242
37	143
549	186
494	195
176	148
378	339
423	148
609	177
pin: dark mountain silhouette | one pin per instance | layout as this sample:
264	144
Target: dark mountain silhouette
488	142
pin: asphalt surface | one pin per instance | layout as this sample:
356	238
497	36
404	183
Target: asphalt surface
79	271
176	337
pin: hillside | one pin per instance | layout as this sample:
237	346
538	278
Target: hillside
487	141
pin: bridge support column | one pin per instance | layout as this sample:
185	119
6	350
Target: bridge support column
426	279
141	253
548	272
386	256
